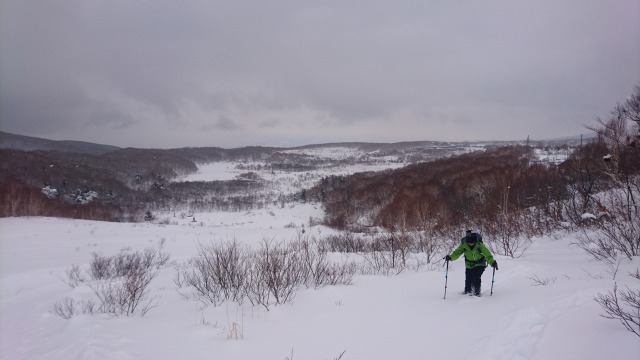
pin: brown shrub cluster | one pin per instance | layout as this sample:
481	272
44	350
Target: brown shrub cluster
453	191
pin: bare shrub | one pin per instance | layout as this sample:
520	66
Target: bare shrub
282	269
100	267
68	307
537	281
236	332
88	307
120	282
429	244
617	229
126	295
256	289
126	262
399	243
199	276
265	276
622	305
380	263
65	308
230	269
506	235
346	242
156	257
217	273
221	272
315	262
74	276
319	270
339	274
179	275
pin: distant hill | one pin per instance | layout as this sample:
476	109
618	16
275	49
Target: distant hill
40	177
28	143
423	149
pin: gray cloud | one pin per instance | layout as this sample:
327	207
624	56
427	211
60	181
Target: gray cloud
225	123
180	72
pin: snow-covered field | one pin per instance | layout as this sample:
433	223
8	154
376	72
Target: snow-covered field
285	181
377	317
402	316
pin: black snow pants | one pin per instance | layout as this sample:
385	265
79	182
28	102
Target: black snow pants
473	280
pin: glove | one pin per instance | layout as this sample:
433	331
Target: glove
447	258
495	264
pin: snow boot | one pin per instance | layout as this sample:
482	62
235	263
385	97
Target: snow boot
468	290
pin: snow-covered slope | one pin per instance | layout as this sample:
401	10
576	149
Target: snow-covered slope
397	317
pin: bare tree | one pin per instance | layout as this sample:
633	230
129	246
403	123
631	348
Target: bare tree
428	241
585	171
631	107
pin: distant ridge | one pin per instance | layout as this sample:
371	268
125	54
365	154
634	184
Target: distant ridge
28	143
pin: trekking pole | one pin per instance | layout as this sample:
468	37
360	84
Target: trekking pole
446	279
493	279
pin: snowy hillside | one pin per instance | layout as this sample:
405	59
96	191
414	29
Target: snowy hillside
377	317
542	305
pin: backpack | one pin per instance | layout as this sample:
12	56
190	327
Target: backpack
470	235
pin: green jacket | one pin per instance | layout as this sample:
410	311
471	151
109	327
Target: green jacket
479	255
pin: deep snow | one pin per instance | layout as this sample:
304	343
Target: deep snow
396	317
377	317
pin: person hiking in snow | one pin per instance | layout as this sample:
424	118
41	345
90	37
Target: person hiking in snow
476	257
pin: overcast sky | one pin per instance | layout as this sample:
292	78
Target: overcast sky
175	73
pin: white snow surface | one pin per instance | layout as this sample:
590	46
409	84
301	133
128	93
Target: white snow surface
285	182
377	317
230	171
335	153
